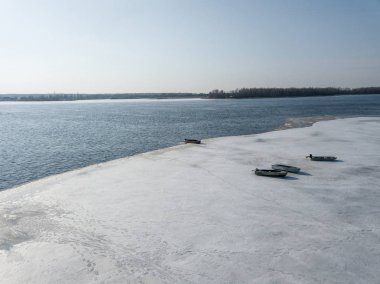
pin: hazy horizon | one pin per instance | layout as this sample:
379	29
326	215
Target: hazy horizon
168	46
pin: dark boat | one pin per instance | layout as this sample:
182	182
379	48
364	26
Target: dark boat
270	173
287	168
321	158
193	141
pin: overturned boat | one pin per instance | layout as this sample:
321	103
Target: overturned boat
321	158
192	141
270	173
286	168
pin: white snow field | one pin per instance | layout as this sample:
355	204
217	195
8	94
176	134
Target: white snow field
197	214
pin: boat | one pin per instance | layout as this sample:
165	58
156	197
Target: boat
192	141
270	173
287	168
321	158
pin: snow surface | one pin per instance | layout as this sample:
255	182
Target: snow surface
197	214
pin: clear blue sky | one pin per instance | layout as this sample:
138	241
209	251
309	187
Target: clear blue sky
95	46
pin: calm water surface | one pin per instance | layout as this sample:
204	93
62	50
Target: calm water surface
41	139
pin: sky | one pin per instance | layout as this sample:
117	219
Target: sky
128	46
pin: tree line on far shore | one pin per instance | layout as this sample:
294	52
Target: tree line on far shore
242	93
289	92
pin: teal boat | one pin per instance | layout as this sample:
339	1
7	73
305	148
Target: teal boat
287	168
270	173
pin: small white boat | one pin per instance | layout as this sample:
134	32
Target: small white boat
321	158
287	168
270	173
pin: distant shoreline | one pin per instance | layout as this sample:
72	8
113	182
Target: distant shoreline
244	93
96	101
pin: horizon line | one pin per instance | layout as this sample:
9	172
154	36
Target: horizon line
182	92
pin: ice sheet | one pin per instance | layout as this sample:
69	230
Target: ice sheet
197	214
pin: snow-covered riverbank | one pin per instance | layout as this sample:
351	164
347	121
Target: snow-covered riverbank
197	214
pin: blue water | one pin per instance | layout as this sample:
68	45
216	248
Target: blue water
41	139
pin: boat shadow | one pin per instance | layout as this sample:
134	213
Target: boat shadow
282	178
290	178
304	174
334	161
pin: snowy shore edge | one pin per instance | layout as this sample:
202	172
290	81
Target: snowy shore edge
196	214
291	122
